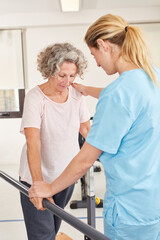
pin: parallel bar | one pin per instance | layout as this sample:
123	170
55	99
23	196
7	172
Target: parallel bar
73	221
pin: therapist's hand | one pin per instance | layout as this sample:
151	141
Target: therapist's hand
40	189
80	88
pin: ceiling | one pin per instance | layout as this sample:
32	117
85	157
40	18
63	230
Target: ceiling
49	6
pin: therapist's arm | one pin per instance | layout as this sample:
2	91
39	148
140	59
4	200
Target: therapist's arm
87	90
75	170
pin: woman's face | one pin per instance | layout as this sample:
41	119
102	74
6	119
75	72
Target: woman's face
65	77
104	59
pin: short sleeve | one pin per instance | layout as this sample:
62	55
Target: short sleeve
83	111
111	123
32	111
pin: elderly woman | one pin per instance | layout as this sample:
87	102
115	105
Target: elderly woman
54	114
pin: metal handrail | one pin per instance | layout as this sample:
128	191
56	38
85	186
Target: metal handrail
52	207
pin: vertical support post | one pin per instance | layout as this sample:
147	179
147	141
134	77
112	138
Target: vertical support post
90	199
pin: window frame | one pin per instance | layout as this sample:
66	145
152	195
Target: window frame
21	92
15	114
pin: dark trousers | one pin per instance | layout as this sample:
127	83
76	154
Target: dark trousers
43	225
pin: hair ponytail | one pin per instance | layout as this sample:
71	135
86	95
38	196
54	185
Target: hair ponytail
130	38
134	49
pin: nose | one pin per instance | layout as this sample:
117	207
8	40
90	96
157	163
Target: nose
68	80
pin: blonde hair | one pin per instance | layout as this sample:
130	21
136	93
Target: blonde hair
129	38
50	59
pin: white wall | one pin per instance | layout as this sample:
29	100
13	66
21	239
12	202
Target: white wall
11	141
152	35
42	30
11	57
33	19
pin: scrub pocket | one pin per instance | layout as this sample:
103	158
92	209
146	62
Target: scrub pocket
132	232
111	221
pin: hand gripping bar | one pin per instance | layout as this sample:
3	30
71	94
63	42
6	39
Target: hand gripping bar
70	219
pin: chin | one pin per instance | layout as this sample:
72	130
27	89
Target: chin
107	72
110	72
62	89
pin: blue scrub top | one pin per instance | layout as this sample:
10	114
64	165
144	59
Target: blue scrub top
126	127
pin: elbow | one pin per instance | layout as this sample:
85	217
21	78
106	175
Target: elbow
85	132
85	166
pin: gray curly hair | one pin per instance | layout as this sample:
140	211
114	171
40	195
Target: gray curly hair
50	59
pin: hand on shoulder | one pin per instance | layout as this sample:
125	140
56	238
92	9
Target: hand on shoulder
80	88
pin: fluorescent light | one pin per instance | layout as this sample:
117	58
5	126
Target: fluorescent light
70	5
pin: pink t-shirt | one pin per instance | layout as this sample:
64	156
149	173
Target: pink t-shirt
59	125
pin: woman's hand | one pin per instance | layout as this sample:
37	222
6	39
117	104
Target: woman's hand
80	88
40	189
37	202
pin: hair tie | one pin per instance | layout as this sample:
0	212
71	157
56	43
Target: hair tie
126	28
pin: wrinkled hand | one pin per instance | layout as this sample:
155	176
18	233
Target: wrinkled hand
37	202
40	189
80	88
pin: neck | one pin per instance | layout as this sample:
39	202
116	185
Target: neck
123	65
50	90
54	90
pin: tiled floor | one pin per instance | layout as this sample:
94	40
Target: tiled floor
11	219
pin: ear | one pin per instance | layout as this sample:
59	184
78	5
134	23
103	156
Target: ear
102	44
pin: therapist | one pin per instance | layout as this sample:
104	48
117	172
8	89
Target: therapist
125	134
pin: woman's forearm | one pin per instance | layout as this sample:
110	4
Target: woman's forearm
70	175
77	167
75	170
34	162
34	153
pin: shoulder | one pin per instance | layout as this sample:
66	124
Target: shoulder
128	83
75	94
34	93
125	91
